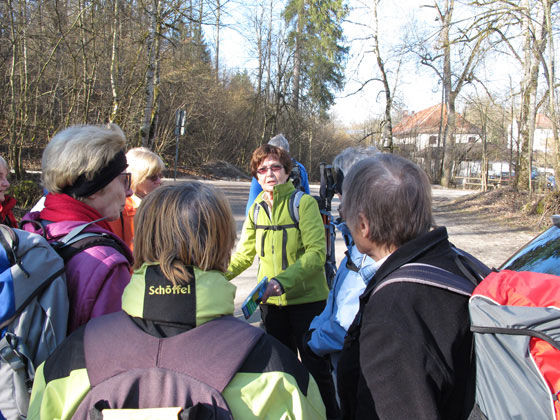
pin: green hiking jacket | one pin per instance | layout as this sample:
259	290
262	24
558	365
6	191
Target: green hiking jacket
302	273
271	383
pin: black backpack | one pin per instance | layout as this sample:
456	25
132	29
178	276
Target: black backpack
295	176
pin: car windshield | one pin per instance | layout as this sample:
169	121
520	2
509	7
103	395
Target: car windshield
542	254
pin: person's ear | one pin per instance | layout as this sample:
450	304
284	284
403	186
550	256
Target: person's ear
92	199
363	226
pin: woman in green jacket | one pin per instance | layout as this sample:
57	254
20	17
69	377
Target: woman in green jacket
291	254
176	330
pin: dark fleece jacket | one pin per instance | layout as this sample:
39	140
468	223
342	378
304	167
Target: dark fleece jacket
409	354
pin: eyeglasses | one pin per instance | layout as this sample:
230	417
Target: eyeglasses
264	169
127	179
155	177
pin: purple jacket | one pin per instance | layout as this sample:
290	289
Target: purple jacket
96	277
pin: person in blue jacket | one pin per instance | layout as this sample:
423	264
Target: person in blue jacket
298	171
327	330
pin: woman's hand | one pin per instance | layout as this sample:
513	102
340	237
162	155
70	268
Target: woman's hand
274	288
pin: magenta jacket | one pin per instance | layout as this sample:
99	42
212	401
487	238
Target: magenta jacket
96	277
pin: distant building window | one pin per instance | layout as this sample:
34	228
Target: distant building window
472	139
433	140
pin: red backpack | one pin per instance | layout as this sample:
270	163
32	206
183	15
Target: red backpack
515	318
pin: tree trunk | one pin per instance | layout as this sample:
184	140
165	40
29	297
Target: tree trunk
152	79
217	58
553	114
532	50
449	131
115	64
297	54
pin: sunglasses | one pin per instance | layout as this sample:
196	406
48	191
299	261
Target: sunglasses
264	169
127	180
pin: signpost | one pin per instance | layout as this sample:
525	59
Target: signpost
180	117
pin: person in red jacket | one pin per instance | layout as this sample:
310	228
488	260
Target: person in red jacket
7	202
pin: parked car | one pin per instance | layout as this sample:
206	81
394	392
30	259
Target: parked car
542	254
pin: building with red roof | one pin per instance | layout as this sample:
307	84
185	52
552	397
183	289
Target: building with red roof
422	129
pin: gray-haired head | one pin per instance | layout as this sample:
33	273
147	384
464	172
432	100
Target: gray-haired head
392	194
280	141
351	155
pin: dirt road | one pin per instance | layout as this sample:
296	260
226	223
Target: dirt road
487	240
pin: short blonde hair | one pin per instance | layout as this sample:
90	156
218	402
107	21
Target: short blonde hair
77	150
180	225
142	164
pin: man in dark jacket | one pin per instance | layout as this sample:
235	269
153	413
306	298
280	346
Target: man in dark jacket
408	353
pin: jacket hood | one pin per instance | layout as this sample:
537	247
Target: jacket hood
152	297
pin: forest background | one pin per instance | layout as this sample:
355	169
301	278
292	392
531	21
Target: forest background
137	62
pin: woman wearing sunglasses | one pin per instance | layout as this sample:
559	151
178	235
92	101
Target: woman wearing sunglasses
85	174
146	169
291	256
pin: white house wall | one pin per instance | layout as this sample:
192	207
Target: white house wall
422	140
542	138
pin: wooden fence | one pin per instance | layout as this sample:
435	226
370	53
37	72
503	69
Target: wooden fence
471	182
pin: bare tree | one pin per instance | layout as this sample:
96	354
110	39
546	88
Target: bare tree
388	123
460	48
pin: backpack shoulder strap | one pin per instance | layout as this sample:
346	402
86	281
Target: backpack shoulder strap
77	241
293	206
256	213
428	275
471	267
423	274
85	241
77	230
293	209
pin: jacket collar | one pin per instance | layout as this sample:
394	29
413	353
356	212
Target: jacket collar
408	252
150	296
283	190
8	204
279	193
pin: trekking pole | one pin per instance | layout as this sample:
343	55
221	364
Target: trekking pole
326	194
